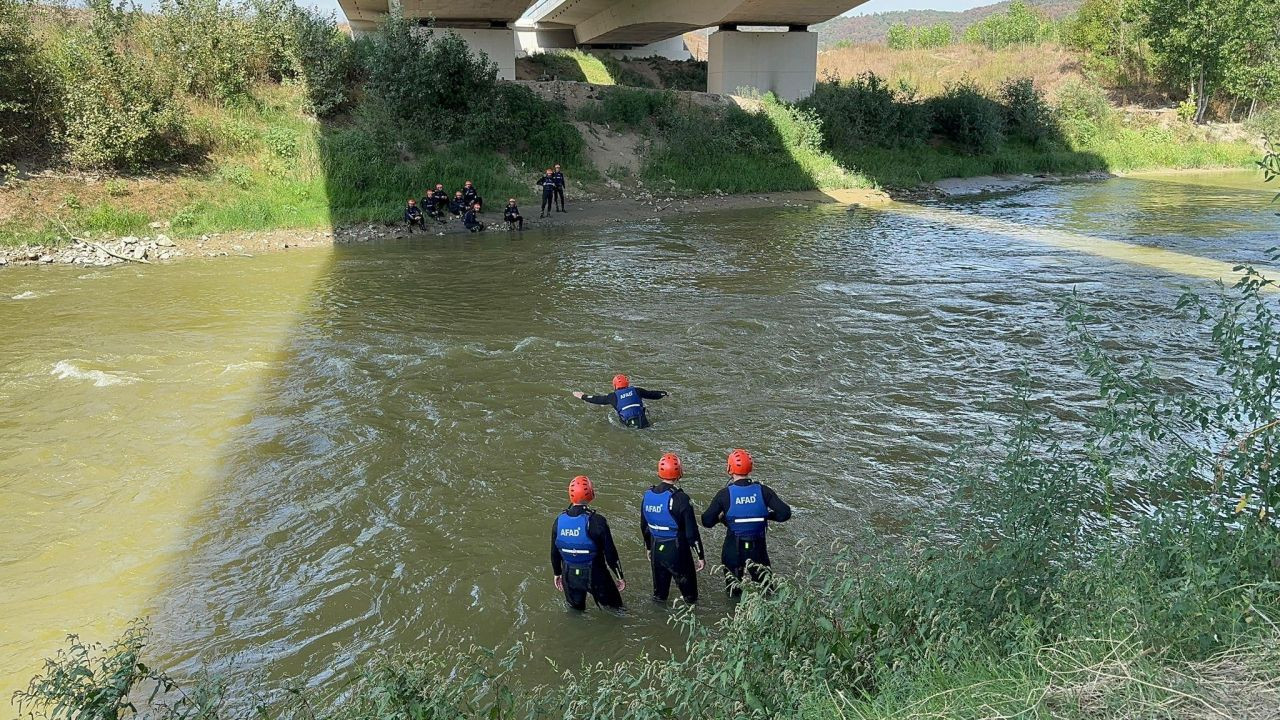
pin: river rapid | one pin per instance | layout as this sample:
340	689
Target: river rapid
289	462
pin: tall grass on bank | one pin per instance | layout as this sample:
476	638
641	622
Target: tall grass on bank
1130	568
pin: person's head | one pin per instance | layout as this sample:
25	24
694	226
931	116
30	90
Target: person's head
511	202
412	202
548	171
439	186
475	206
669	468
457	193
621	381
557	168
581	491
467	184
739	464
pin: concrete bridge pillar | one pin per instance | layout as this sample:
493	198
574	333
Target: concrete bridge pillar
784	63
498	42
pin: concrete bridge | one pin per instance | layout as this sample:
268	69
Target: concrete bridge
777	55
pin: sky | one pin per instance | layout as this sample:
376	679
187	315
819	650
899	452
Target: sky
871	7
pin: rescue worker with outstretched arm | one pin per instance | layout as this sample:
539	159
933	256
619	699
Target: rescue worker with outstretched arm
669	525
626	400
745	507
583	553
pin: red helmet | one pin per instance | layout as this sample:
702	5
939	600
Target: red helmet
581	490
739	462
669	467
620	381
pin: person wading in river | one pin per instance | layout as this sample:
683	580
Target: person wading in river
583	553
745	507
669	525
626	400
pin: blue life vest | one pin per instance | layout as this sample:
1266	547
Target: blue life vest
629	405
575	546
747	515
657	515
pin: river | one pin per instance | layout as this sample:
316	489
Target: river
290	461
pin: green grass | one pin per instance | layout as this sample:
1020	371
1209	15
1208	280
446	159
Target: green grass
574	65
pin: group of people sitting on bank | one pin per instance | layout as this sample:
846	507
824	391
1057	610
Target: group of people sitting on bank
466	205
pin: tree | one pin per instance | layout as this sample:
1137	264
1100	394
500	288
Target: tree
1106	33
1193	41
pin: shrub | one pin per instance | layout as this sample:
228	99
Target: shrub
530	129
1083	112
624	106
412	70
323	57
206	47
687	75
865	111
1265	124
1018	25
28	100
906	37
968	118
282	142
119	112
1027	114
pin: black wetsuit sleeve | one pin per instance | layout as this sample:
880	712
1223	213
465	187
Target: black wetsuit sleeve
557	562
598	399
778	510
716	508
603	538
644	530
651	394
687	520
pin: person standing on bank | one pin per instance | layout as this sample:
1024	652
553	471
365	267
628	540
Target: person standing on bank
583	553
669	525
626	400
558	178
548	184
745	507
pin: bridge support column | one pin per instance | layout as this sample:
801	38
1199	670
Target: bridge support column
499	43
784	63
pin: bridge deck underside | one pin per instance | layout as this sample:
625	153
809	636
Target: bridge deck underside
477	12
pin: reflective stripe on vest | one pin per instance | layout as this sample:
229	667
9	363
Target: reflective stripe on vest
575	546
747	515
657	514
629	405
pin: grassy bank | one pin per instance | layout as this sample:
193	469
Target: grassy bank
1127	567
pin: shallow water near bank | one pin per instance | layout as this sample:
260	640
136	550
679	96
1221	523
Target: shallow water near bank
292	461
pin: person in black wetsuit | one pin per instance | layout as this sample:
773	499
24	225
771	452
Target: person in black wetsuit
413	216
583	553
470	194
745	507
435	203
558	178
511	214
669	525
458	206
548	184
626	400
471	221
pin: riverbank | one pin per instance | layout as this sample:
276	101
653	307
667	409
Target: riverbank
90	249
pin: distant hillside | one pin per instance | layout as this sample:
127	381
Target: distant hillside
874	28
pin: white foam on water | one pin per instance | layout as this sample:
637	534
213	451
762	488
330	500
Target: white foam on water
64	370
28	295
525	343
251	365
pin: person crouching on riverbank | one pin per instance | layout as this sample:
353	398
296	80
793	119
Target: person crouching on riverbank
512	215
457	206
470	221
583	553
470	194
413	216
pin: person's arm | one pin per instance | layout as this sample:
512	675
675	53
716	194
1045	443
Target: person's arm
542	180
651	394
716	509
778	510
595	399
598	528
557	562
644	531
687	519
